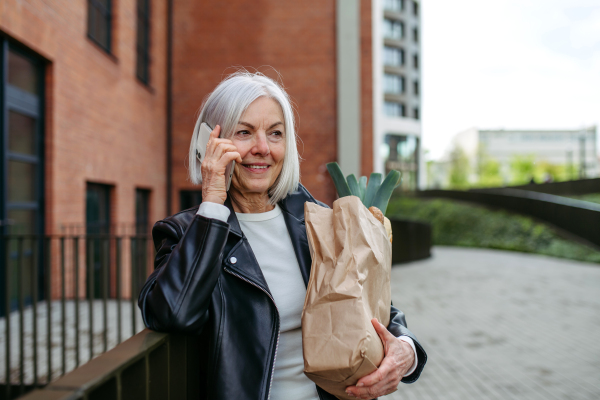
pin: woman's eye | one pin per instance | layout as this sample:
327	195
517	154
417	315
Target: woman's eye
277	133
242	133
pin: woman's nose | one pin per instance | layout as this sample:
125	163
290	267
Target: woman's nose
261	146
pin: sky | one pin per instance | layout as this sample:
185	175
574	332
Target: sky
512	64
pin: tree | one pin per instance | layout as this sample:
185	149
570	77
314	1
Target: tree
489	173
459	169
522	169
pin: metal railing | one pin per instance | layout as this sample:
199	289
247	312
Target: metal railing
576	187
65	300
150	365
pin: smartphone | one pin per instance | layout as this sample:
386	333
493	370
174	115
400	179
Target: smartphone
203	137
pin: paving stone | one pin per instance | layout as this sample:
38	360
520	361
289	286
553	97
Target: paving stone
502	325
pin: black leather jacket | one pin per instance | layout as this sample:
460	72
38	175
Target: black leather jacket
207	282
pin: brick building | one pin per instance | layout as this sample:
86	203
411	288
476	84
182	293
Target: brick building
99	98
96	93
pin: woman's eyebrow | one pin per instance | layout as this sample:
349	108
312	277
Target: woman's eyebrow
249	125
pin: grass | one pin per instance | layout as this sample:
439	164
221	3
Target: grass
465	224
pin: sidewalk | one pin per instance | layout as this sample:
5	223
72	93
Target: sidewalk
502	325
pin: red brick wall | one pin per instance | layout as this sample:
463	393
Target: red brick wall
102	125
297	38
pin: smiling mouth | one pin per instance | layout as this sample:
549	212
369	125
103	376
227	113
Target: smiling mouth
256	168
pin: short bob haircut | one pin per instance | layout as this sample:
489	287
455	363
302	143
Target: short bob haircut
225	106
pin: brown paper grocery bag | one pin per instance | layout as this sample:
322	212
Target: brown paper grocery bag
349	285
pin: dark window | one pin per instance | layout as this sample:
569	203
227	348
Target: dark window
416	113
141	241
143	41
415	8
416	61
100	23
416	87
98	224
21	171
142	211
416	35
97	212
394	109
190	198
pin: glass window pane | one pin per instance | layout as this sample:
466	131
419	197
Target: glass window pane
102	32
21	133
22	73
21	181
393	56
103	3
393	84
21	221
140	31
393	5
142	209
393	109
393	29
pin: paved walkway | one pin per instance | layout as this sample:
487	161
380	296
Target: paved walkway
502	325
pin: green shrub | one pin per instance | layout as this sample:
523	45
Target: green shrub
465	224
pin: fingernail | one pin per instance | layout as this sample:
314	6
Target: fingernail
350	394
360	384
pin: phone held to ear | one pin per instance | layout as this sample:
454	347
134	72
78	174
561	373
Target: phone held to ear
203	137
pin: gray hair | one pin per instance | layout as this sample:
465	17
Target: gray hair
225	106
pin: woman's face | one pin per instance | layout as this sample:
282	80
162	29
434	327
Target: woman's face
260	139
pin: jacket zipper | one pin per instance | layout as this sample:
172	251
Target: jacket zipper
278	330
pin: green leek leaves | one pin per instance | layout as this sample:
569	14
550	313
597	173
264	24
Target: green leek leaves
375	193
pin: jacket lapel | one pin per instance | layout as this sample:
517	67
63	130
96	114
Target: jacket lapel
239	247
239	256
293	214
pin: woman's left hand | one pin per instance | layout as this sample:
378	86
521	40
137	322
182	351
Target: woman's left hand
399	358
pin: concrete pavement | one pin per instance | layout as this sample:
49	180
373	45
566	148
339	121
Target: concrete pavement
502	325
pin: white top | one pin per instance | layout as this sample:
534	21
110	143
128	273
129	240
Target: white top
271	244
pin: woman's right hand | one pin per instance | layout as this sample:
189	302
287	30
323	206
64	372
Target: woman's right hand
219	153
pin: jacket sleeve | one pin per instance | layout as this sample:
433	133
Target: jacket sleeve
398	327
176	296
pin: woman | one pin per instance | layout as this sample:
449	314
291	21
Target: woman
234	270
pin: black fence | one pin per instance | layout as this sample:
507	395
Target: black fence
581	186
150	365
65	300
579	218
411	241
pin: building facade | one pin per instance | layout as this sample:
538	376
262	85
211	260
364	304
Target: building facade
574	150
397	89
83	114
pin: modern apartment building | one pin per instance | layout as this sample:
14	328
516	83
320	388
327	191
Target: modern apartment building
397	89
